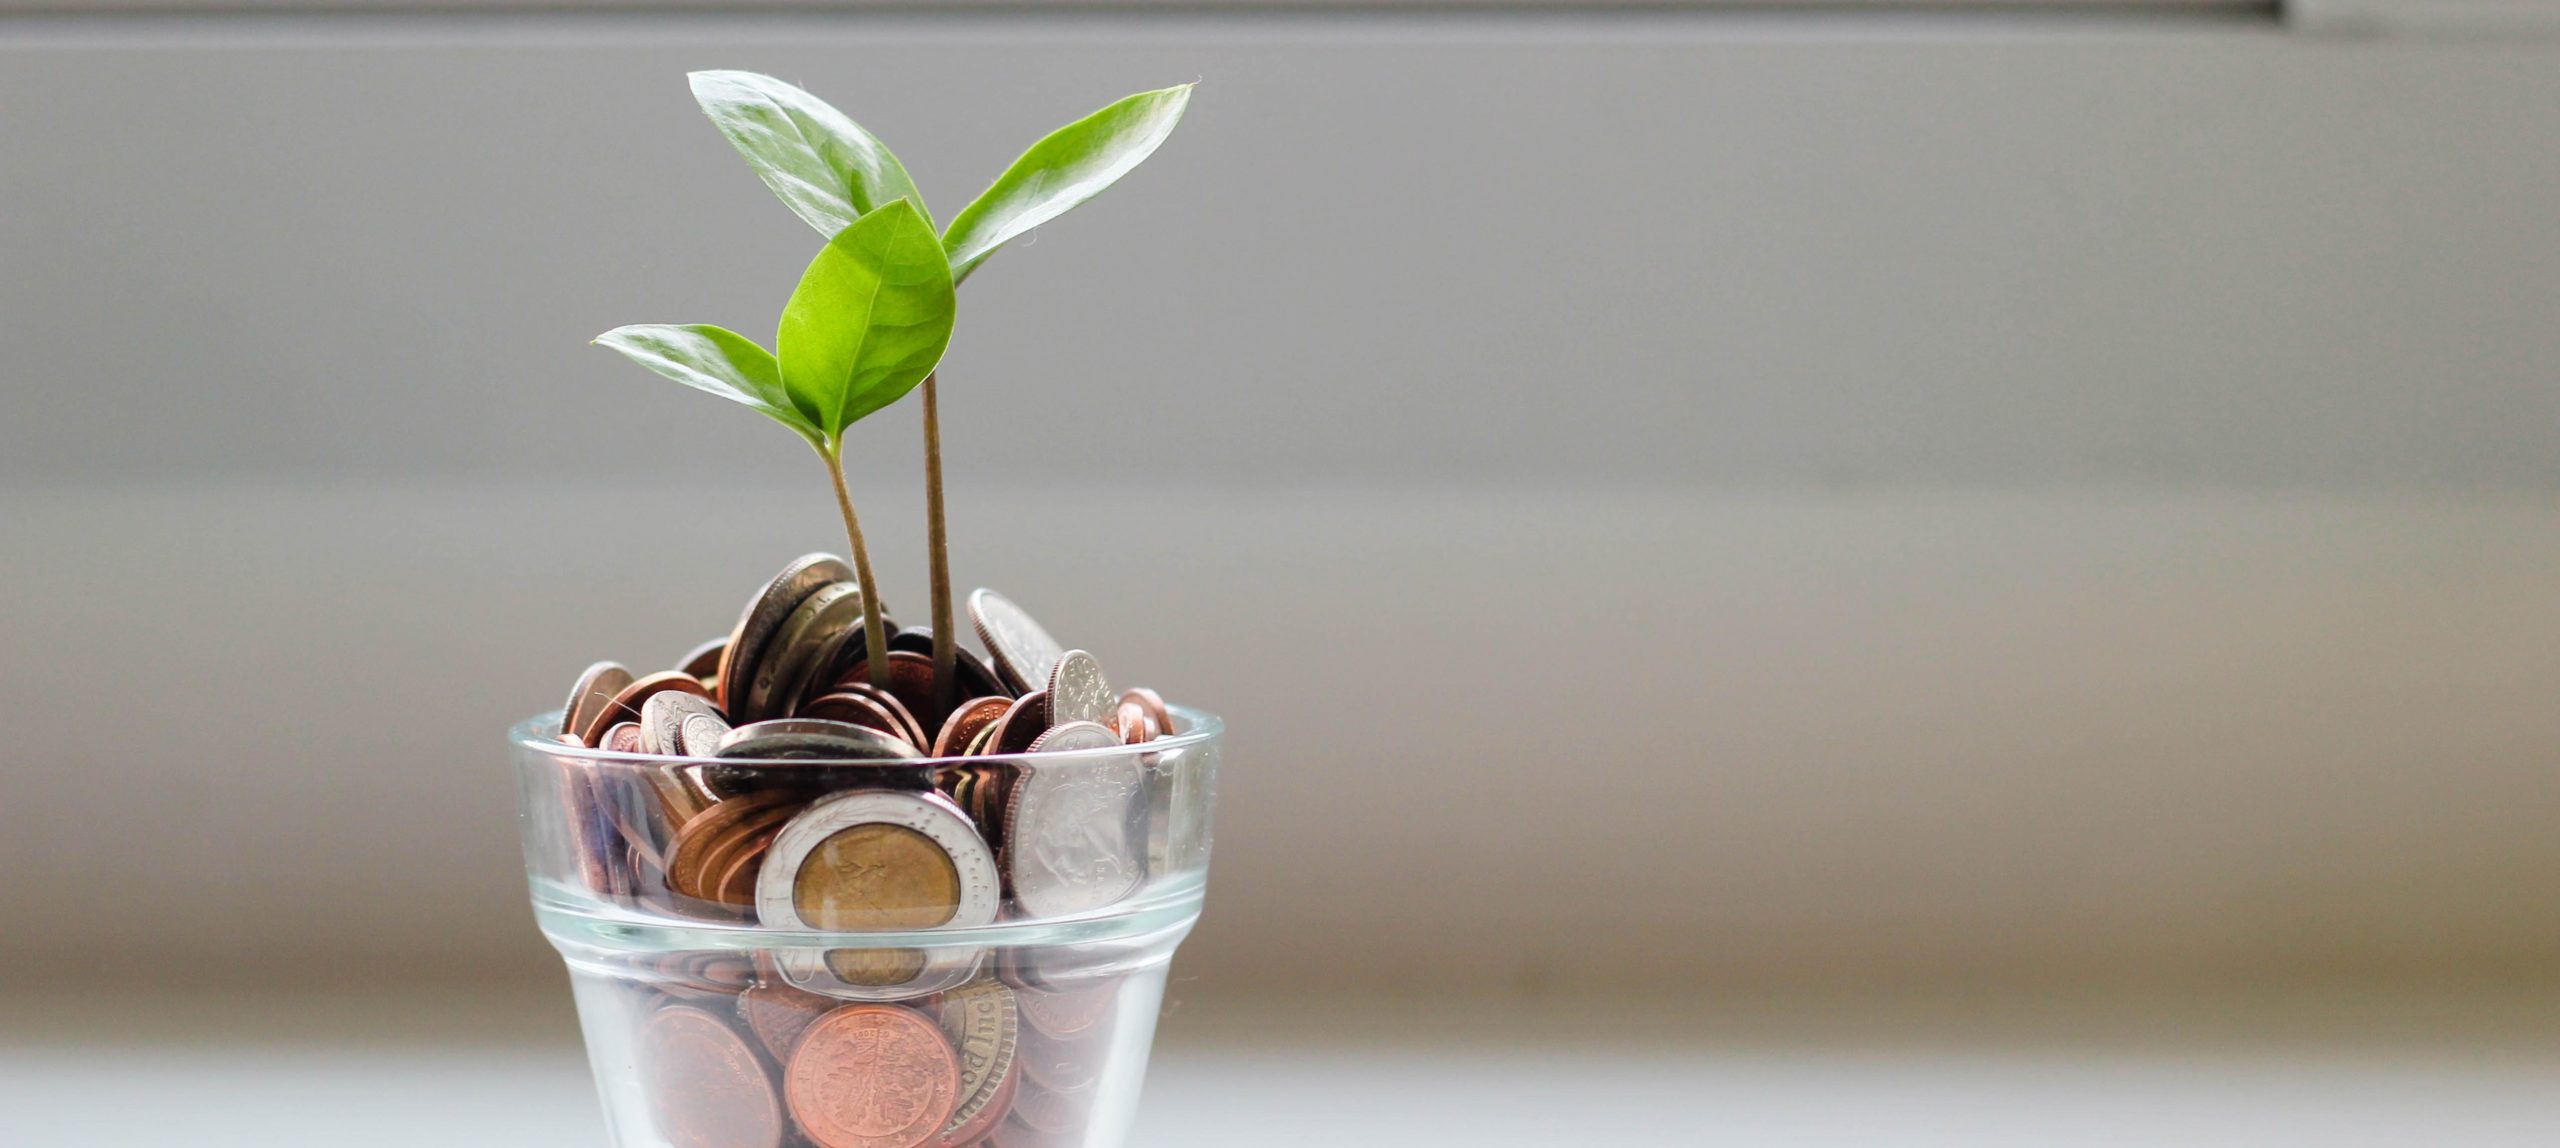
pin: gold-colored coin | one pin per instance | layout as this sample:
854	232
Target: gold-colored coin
875	877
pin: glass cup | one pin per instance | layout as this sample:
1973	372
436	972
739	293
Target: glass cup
922	953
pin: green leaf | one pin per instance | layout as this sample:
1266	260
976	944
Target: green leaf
827	169
712	359
869	320
1069	166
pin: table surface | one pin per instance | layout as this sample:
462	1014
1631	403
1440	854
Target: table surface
497	1069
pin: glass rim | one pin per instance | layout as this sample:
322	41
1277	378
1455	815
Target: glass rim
538	733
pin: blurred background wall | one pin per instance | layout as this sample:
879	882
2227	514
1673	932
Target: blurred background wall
2011	493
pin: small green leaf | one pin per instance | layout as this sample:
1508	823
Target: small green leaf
712	359
869	320
1069	166
824	166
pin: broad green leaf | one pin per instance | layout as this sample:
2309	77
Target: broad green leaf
869	320
712	359
827	169
1073	164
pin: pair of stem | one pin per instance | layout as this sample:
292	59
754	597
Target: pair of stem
875	632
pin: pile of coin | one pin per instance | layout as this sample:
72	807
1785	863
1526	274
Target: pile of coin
865	837
734	1056
773	778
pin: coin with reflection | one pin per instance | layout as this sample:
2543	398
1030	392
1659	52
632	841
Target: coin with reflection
1024	652
872	1076
811	739
1075	830
965	722
876	860
709	1089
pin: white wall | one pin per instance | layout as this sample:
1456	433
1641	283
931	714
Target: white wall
1729	497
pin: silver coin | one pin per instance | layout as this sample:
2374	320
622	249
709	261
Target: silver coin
595	690
1078	692
765	612
808	639
700	734
662	720
1025	654
1076	830
810	739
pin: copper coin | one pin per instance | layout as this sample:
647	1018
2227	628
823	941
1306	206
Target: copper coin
1069	1013
910	679
1078	692
765	612
703	974
897	709
709	1089
1154	704
984	743
622	738
715	860
1024	652
705	830
1131	722
626	704
805	643
1023	724
737	883
965	722
594	691
985	1029
976	680
873	1076
865	710
703	661
777	1014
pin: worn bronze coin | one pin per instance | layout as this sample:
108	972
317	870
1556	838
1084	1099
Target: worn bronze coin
706	830
872	1076
707	1086
765	612
621	738
1130	721
915	728
965	722
716	862
594	691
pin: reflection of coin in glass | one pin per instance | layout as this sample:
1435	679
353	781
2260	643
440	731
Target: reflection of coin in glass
876	877
778	1013
876	968
872	1076
1075	830
878	860
708	1087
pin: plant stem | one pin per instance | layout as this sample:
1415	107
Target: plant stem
875	633
946	649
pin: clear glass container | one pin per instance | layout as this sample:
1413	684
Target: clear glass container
922	953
